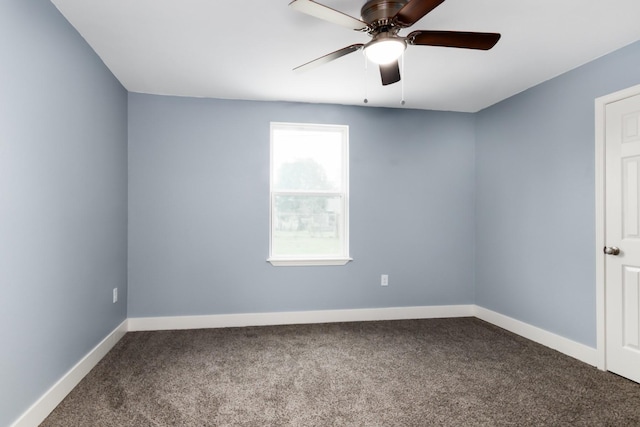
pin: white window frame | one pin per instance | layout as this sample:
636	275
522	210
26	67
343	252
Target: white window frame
312	260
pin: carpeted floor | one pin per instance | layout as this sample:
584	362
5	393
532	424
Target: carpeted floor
440	372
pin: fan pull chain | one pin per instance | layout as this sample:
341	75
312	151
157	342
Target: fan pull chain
366	100
403	77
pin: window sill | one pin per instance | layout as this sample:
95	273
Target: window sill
284	262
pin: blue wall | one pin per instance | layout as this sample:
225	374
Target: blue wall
535	190
199	209
62	201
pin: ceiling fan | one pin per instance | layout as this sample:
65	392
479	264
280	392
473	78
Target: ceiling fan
382	20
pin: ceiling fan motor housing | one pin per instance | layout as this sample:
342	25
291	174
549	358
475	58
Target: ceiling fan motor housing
378	13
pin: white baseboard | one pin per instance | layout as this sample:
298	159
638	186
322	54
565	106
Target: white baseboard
298	317
564	345
52	397
571	348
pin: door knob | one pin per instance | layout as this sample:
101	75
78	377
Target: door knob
611	250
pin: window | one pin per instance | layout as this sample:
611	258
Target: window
309	194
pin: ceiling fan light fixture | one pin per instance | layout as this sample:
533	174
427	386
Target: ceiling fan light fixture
385	50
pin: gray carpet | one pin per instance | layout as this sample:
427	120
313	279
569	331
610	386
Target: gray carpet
440	372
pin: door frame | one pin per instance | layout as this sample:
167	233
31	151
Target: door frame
600	133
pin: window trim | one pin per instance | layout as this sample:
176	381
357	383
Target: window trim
311	260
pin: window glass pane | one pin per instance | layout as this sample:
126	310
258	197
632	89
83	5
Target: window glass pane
309	194
307	160
305	225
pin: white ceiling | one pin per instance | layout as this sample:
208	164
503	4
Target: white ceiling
247	49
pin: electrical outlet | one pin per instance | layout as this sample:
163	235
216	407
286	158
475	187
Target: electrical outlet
115	295
384	280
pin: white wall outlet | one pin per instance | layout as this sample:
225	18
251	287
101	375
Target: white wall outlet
115	295
384	280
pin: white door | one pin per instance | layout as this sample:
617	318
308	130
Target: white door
622	237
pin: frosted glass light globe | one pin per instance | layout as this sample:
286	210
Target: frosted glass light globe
384	51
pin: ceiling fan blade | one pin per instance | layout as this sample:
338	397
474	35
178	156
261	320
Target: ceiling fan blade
465	40
328	14
413	11
328	57
390	73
